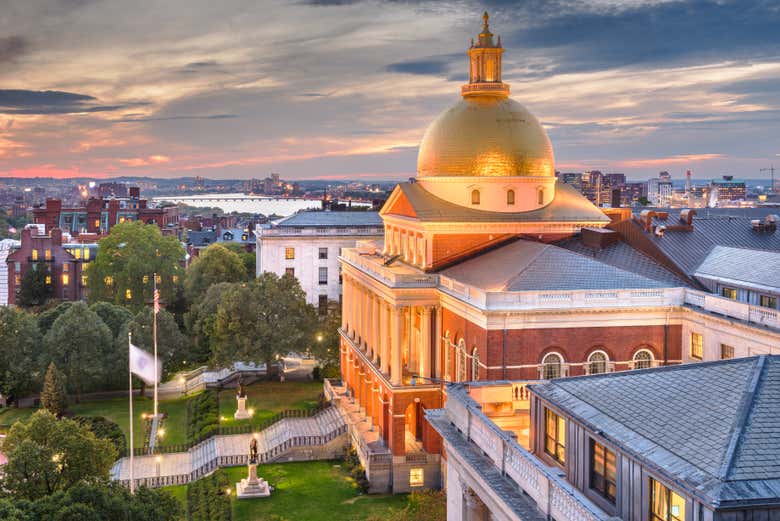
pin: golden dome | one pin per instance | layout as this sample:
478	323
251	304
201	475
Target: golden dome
486	136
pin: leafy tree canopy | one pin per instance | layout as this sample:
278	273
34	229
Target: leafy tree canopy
214	264
127	259
200	321
172	345
112	315
54	397
36	287
47	317
248	258
46	455
20	342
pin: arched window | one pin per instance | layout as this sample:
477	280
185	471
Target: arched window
475	197
447	345
597	362
475	364
540	196
551	366
643	359
460	354
510	197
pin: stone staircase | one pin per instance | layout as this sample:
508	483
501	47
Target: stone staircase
322	436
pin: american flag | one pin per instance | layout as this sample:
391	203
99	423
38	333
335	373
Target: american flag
156	301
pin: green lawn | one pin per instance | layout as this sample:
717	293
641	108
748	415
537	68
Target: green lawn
269	398
11	415
306	491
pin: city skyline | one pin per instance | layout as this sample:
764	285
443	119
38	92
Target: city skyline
344	89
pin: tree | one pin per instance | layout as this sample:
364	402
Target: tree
126	261
172	346
77	343
54	397
258	320
20	342
113	316
248	258
214	264
47	318
200	321
326	346
36	287
46	454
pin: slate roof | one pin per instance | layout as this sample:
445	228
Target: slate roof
529	266
322	218
568	205
712	428
237	234
623	256
688	249
201	239
738	264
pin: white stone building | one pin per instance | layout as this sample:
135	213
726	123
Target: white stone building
308	245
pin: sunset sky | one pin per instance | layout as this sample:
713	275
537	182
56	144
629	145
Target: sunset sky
345	89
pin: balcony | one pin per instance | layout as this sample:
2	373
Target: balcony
396	275
734	309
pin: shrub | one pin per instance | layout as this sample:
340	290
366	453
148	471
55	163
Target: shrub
208	499
202	415
105	428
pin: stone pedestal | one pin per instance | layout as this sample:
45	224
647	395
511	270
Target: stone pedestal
252	486
241	412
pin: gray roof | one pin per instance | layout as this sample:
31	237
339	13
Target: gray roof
201	239
237	234
711	428
755	267
623	256
688	249
324	218
528	266
568	205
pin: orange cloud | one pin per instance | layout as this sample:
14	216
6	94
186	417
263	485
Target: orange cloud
50	171
145	161
671	160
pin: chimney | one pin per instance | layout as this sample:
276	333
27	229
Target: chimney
686	216
135	192
56	237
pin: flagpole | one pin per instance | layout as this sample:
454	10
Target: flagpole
154	336
130	376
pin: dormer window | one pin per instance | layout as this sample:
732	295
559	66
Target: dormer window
510	197
475	197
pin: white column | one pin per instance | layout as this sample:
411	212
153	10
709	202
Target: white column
376	329
344	298
384	339
438	343
395	349
425	342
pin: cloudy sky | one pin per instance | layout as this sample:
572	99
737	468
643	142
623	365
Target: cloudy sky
346	88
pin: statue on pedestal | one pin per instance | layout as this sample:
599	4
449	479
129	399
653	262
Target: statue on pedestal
241	391
241	412
252	486
253	450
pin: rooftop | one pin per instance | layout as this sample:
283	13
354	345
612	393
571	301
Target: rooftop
323	218
755	267
712	428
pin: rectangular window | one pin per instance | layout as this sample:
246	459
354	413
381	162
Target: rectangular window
17	281
603	471
289	271
323	276
767	301
341	277
665	505
48	279
323	253
84	280
416	477
729	293
97	223
289	253
726	352
35	255
555	436
47	255
697	346
65	267
86	254
322	305
17	267
65	279
128	294
76	253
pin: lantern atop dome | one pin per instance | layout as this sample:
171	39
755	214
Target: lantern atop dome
485	65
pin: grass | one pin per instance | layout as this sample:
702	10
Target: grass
269	398
306	491
266	398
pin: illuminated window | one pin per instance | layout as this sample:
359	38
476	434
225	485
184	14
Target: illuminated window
729	293
17	281
35	255
475	197
76	253
128	294
510	197
555	436
540	196
726	352
66	267
83	280
697	346
121	220
665	505
175	279
109	281
146	279
767	301
289	253
47	255
597	362
157	279
603	471
65	279
643	359
551	366
416	477
48	279
86	254
97	223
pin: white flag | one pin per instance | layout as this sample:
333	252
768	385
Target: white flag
142	364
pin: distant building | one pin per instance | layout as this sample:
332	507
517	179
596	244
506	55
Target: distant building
660	191
308	245
633	192
728	189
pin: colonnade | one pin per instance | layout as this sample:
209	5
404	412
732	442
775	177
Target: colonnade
384	331
409	244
